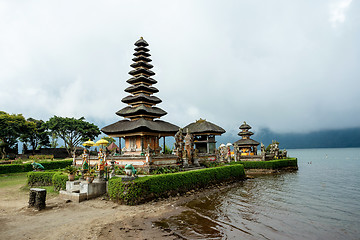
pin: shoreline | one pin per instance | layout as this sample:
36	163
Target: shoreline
93	219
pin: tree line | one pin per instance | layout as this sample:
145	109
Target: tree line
35	134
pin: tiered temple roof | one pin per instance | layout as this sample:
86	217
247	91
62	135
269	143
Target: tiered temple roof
141	110
245	136
203	127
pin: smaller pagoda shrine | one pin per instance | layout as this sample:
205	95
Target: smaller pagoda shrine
204	133
245	147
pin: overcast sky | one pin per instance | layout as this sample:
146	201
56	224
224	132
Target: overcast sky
291	66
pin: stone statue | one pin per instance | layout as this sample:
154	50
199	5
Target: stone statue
130	170
262	149
37	166
179	144
101	164
112	168
85	165
148	153
189	146
236	152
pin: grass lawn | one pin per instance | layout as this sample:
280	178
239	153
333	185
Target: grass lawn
12	179
17	180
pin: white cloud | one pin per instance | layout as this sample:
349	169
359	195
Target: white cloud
337	11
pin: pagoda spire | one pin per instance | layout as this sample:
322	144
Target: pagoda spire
141	102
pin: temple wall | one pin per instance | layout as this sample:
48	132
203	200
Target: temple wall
136	160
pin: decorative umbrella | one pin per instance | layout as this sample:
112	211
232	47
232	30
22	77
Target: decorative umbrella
101	142
88	143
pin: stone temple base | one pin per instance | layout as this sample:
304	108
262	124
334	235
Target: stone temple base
78	191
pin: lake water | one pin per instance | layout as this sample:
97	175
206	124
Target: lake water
319	201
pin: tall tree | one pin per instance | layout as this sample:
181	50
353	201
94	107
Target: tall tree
11	127
36	135
72	131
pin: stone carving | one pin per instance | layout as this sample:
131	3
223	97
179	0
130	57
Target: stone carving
112	168
179	144
223	152
262	149
189	147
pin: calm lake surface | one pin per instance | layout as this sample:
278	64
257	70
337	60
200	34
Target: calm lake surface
319	201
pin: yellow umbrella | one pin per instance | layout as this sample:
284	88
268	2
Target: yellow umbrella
101	142
88	143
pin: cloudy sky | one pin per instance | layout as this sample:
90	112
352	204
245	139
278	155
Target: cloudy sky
291	66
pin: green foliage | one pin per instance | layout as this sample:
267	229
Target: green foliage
11	128
72	131
273	164
119	170
27	167
59	181
36	135
38	157
40	178
70	169
164	170
146	188
167	150
212	164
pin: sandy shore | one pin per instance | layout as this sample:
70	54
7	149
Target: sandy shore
93	219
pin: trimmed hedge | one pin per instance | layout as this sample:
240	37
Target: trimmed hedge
150	187
27	167
273	164
59	181
39	178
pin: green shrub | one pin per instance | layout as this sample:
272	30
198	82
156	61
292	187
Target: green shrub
164	170
273	164
155	186
59	181
39	178
27	167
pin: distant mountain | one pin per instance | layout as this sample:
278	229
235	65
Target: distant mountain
338	138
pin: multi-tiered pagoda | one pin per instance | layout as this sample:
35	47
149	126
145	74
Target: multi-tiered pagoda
140	129
246	146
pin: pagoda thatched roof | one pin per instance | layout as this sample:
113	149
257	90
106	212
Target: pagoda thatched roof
124	127
245	126
141	87
202	127
141	110
141	58
141	98
141	43
141	70
140	79
246	142
142	64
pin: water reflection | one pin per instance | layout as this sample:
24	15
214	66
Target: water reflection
319	201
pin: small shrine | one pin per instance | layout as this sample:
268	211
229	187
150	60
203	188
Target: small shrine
245	147
140	128
204	135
